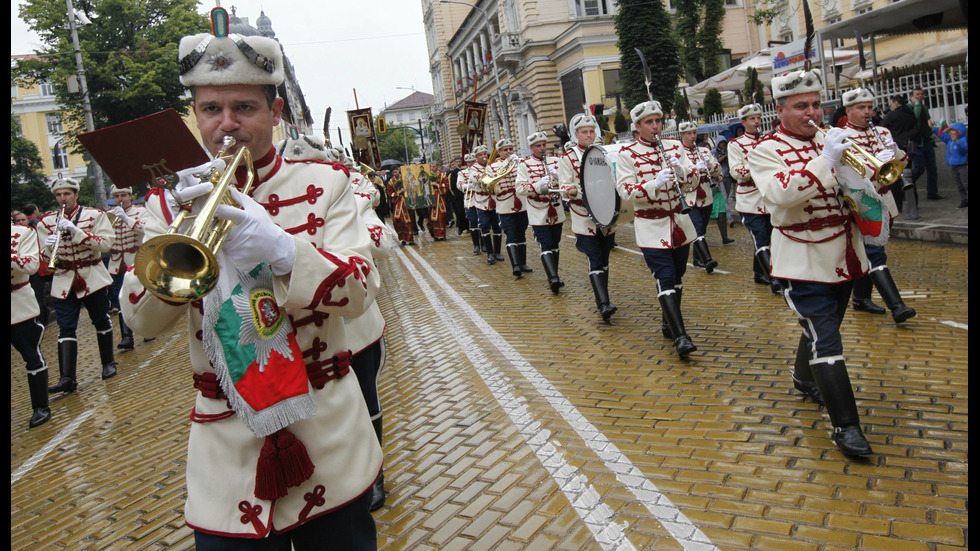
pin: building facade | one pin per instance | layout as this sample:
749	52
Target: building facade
414	111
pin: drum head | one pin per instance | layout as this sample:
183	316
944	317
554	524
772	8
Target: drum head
599	187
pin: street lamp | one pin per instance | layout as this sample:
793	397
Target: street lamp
496	76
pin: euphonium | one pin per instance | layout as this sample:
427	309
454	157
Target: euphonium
490	183
183	267
888	172
57	242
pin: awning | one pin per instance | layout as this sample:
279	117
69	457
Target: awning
902	17
947	51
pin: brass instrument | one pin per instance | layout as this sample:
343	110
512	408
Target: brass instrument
183	267
907	184
489	183
57	242
888	172
685	207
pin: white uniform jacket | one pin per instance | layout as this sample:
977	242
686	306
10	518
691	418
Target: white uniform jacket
24	262
814	237
543	209
868	141
658	221
332	278
482	199
79	268
506	198
129	237
747	197
568	180
701	196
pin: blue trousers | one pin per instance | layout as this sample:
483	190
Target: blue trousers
667	265
876	255
514	226
759	227
820	308
367	366
489	221
26	338
700	216
117	281
596	248
925	162
68	309
549	237
471	218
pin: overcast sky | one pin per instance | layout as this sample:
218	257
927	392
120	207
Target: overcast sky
374	46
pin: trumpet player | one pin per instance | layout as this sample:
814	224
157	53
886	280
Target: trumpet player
817	249
707	171
748	201
466	184
128	229
486	207
74	240
299	241
511	209
650	176
591	241
537	176
859	105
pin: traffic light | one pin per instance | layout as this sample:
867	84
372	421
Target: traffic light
382	127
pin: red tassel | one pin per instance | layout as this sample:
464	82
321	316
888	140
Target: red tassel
283	463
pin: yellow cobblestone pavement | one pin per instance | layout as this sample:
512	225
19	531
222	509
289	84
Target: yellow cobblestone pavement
517	419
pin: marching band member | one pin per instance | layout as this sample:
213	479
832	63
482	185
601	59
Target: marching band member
285	454
817	249
80	278
535	176
589	240
701	198
511	210
465	183
859	105
128	228
647	180
486	207
439	211
748	201
25	328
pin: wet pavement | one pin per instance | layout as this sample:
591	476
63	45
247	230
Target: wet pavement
517	419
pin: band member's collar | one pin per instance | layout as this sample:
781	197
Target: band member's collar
581	147
755	135
266	159
642	141
74	211
782	130
856	127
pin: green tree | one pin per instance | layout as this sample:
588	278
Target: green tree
646	25
129	54
621	123
682	107
752	80
698	29
398	143
27	181
712	103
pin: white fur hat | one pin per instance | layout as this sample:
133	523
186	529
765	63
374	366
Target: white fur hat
687	126
749	110
796	82
114	190
303	148
504	142
858	95
570	145
207	60
64	183
644	110
581	121
479	149
537	137
469	158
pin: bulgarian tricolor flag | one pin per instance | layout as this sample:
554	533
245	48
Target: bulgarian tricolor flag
942	127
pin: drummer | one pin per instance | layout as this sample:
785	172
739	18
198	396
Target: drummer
593	242
535	176
651	182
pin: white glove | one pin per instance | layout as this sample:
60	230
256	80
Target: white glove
118	211
701	166
663	177
66	225
885	155
834	145
674	161
255	238
190	185
542	186
50	239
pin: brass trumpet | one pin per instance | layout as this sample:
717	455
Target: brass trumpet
888	172
57	242
490	183
184	267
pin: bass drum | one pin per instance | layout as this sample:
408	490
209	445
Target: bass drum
599	193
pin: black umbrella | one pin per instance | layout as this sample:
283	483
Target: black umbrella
391	163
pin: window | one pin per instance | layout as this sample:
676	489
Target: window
46	89
59	156
592	8
53	122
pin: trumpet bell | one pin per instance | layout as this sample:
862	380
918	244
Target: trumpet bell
176	267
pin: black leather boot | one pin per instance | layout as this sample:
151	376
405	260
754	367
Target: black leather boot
488	245
106	354
67	359
600	288
522	258
515	267
378	490
670	305
763	256
861	297
557	254
127	335
760	277
883	281
475	236
497	238
701	249
550	264
802	374
723	229
37	383
838	396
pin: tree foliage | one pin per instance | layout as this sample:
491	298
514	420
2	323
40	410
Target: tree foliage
398	143
752	81
698	28
712	103
129	54
27	181
646	25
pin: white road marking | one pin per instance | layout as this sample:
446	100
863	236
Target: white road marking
659	505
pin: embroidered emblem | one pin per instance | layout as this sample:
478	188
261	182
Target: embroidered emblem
219	61
269	329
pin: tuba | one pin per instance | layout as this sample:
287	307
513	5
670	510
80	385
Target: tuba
183	267
489	183
888	172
